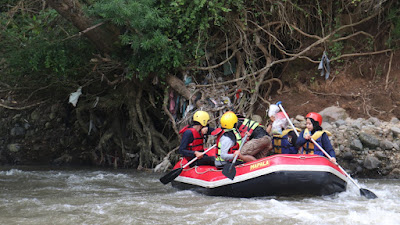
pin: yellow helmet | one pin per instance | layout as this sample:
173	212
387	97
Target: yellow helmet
202	117
228	120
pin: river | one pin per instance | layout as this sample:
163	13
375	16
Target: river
86	196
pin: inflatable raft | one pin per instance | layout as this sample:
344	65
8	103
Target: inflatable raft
276	175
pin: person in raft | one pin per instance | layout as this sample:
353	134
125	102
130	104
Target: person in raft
313	130
272	112
259	142
228	141
192	144
283	137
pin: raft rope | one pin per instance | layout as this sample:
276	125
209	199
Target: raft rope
248	164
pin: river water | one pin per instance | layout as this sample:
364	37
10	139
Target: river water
87	196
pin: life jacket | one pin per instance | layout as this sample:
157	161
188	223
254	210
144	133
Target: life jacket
247	125
233	148
197	144
283	144
309	146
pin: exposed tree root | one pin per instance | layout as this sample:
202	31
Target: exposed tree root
260	47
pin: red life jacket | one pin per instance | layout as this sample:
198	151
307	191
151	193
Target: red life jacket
220	132
247	125
197	144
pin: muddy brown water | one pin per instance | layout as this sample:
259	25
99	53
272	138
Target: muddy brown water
87	196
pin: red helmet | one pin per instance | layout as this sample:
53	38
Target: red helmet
315	116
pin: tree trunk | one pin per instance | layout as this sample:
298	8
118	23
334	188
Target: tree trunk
178	85
102	36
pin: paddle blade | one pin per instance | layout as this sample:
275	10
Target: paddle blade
171	176
229	171
367	193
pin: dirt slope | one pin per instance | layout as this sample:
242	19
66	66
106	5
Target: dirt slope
363	87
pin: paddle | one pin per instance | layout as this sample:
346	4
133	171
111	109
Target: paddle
229	169
363	192
175	173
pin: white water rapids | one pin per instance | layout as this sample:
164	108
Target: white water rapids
87	196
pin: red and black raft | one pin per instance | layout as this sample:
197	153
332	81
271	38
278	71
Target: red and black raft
276	175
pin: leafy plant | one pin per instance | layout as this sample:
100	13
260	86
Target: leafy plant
336	48
163	35
34	46
394	18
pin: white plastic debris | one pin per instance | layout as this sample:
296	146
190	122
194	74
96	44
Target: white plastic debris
74	97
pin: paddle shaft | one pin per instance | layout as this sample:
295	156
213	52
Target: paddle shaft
327	155
236	156
319	146
195	158
288	119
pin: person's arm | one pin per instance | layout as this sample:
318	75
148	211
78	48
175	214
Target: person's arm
293	136
300	139
327	146
269	127
187	138
226	144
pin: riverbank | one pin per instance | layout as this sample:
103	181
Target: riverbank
51	135
364	147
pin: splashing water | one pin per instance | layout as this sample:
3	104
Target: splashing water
87	196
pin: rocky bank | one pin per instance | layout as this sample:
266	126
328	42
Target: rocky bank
48	135
364	147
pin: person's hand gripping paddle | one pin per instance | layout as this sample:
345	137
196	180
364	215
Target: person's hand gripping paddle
364	192
229	169
175	173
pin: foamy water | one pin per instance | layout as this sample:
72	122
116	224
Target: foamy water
83	196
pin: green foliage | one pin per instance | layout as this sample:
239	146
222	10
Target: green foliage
164	35
33	46
394	18
312	80
378	71
296	76
144	31
157	36
336	49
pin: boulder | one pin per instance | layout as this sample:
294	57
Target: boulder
348	155
371	162
394	120
164	165
17	130
375	121
340	122
369	140
35	115
356	145
386	145
64	159
395	171
300	118
327	126
333	113
396	131
13	147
